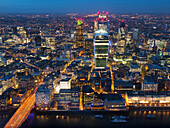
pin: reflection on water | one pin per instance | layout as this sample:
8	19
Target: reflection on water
4	117
135	118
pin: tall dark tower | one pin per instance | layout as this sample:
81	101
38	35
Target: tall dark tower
79	33
38	41
14	30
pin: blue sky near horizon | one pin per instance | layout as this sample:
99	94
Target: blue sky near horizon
84	6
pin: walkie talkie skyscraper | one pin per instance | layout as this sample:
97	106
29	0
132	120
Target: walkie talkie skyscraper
101	46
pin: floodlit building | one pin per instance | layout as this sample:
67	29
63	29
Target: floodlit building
69	99
135	34
101	46
113	102
103	22
44	97
65	83
149	86
148	99
79	33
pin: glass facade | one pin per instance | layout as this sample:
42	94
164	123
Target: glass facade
101	46
100	62
101	49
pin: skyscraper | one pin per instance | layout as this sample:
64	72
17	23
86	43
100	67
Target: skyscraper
102	22
95	25
38	41
101	46
122	38
122	30
135	34
1	40
79	33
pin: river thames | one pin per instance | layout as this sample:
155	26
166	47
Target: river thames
135	119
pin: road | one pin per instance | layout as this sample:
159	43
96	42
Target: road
23	111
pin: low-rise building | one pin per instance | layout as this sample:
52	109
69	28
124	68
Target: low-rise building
120	85
113	102
150	86
44	97
148	99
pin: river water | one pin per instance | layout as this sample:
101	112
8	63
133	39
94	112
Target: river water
135	119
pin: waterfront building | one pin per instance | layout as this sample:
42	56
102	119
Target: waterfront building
148	99
18	97
91	100
75	98
113	102
64	99
101	47
69	99
27	81
44	97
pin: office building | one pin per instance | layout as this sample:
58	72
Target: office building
103	22
148	99
135	34
44	97
79	33
38	41
1	40
149	86
101	47
122	30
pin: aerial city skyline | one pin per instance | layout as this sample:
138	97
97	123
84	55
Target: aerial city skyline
76	64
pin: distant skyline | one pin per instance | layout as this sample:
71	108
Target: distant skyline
85	6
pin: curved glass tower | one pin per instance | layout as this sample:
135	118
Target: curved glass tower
101	46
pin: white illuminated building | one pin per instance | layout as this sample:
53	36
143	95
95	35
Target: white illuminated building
148	99
101	47
63	84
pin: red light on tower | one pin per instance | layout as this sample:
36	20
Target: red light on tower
122	20
103	11
107	13
98	13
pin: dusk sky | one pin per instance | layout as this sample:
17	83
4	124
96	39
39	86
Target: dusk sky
84	6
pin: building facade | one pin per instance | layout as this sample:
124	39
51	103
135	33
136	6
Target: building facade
101	46
79	33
